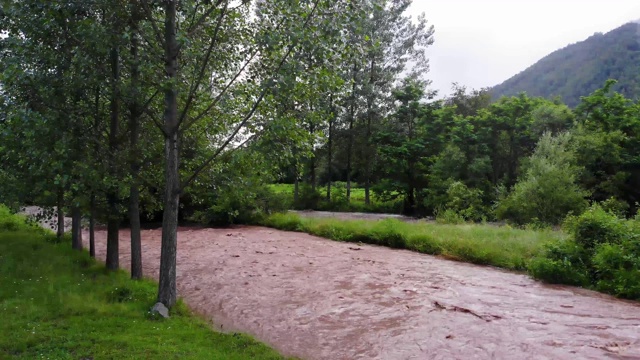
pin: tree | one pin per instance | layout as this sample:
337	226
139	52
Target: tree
404	144
548	190
265	45
607	144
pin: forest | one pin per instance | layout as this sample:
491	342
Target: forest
126	111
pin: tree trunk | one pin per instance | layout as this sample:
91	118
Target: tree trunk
367	180
296	189
92	201
113	236
167	281
113	222
411	201
349	151
134	190
60	212
330	151
352	114
370	100
92	227
76	228
312	165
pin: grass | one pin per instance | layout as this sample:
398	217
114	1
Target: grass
56	303
357	194
504	247
339	196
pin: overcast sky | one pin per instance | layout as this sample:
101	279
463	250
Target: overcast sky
480	43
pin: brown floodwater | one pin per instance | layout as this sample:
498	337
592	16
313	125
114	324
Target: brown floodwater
319	299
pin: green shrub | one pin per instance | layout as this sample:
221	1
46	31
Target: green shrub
617	269
449	216
241	206
15	222
561	263
597	226
615	206
308	197
465	201
558	272
604	254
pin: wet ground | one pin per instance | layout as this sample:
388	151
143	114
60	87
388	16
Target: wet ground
319	299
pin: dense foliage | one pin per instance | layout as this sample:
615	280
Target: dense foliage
581	68
521	159
603	253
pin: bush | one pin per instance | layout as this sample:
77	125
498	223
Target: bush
596	226
14	222
617	269
558	272
604	254
449	216
616	207
561	263
465	201
241	206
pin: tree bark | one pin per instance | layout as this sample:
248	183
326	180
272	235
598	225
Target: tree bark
330	151
60	213
76	228
134	130
370	100
167	280
92	227
113	222
296	188
352	111
312	163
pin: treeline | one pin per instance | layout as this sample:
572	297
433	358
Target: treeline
124	110
522	159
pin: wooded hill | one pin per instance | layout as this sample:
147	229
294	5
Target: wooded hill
579	69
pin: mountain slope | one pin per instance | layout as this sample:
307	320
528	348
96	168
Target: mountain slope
580	68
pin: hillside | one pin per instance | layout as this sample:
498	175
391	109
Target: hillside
580	68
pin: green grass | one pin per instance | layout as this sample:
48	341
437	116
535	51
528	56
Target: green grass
339	195
56	303
357	194
503	247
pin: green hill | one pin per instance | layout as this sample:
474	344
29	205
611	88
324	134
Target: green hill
580	68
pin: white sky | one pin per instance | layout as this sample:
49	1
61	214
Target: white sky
481	43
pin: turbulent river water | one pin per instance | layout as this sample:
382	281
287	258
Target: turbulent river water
319	299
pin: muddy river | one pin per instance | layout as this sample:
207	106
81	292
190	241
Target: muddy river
319	299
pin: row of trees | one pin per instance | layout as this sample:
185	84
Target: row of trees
522	159
115	107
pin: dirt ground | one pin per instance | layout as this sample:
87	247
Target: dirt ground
319	299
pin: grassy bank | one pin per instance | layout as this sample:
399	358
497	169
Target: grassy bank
56	303
503	247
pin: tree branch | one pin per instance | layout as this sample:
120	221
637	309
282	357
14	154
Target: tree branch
219	96
251	112
156	30
194	27
203	68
